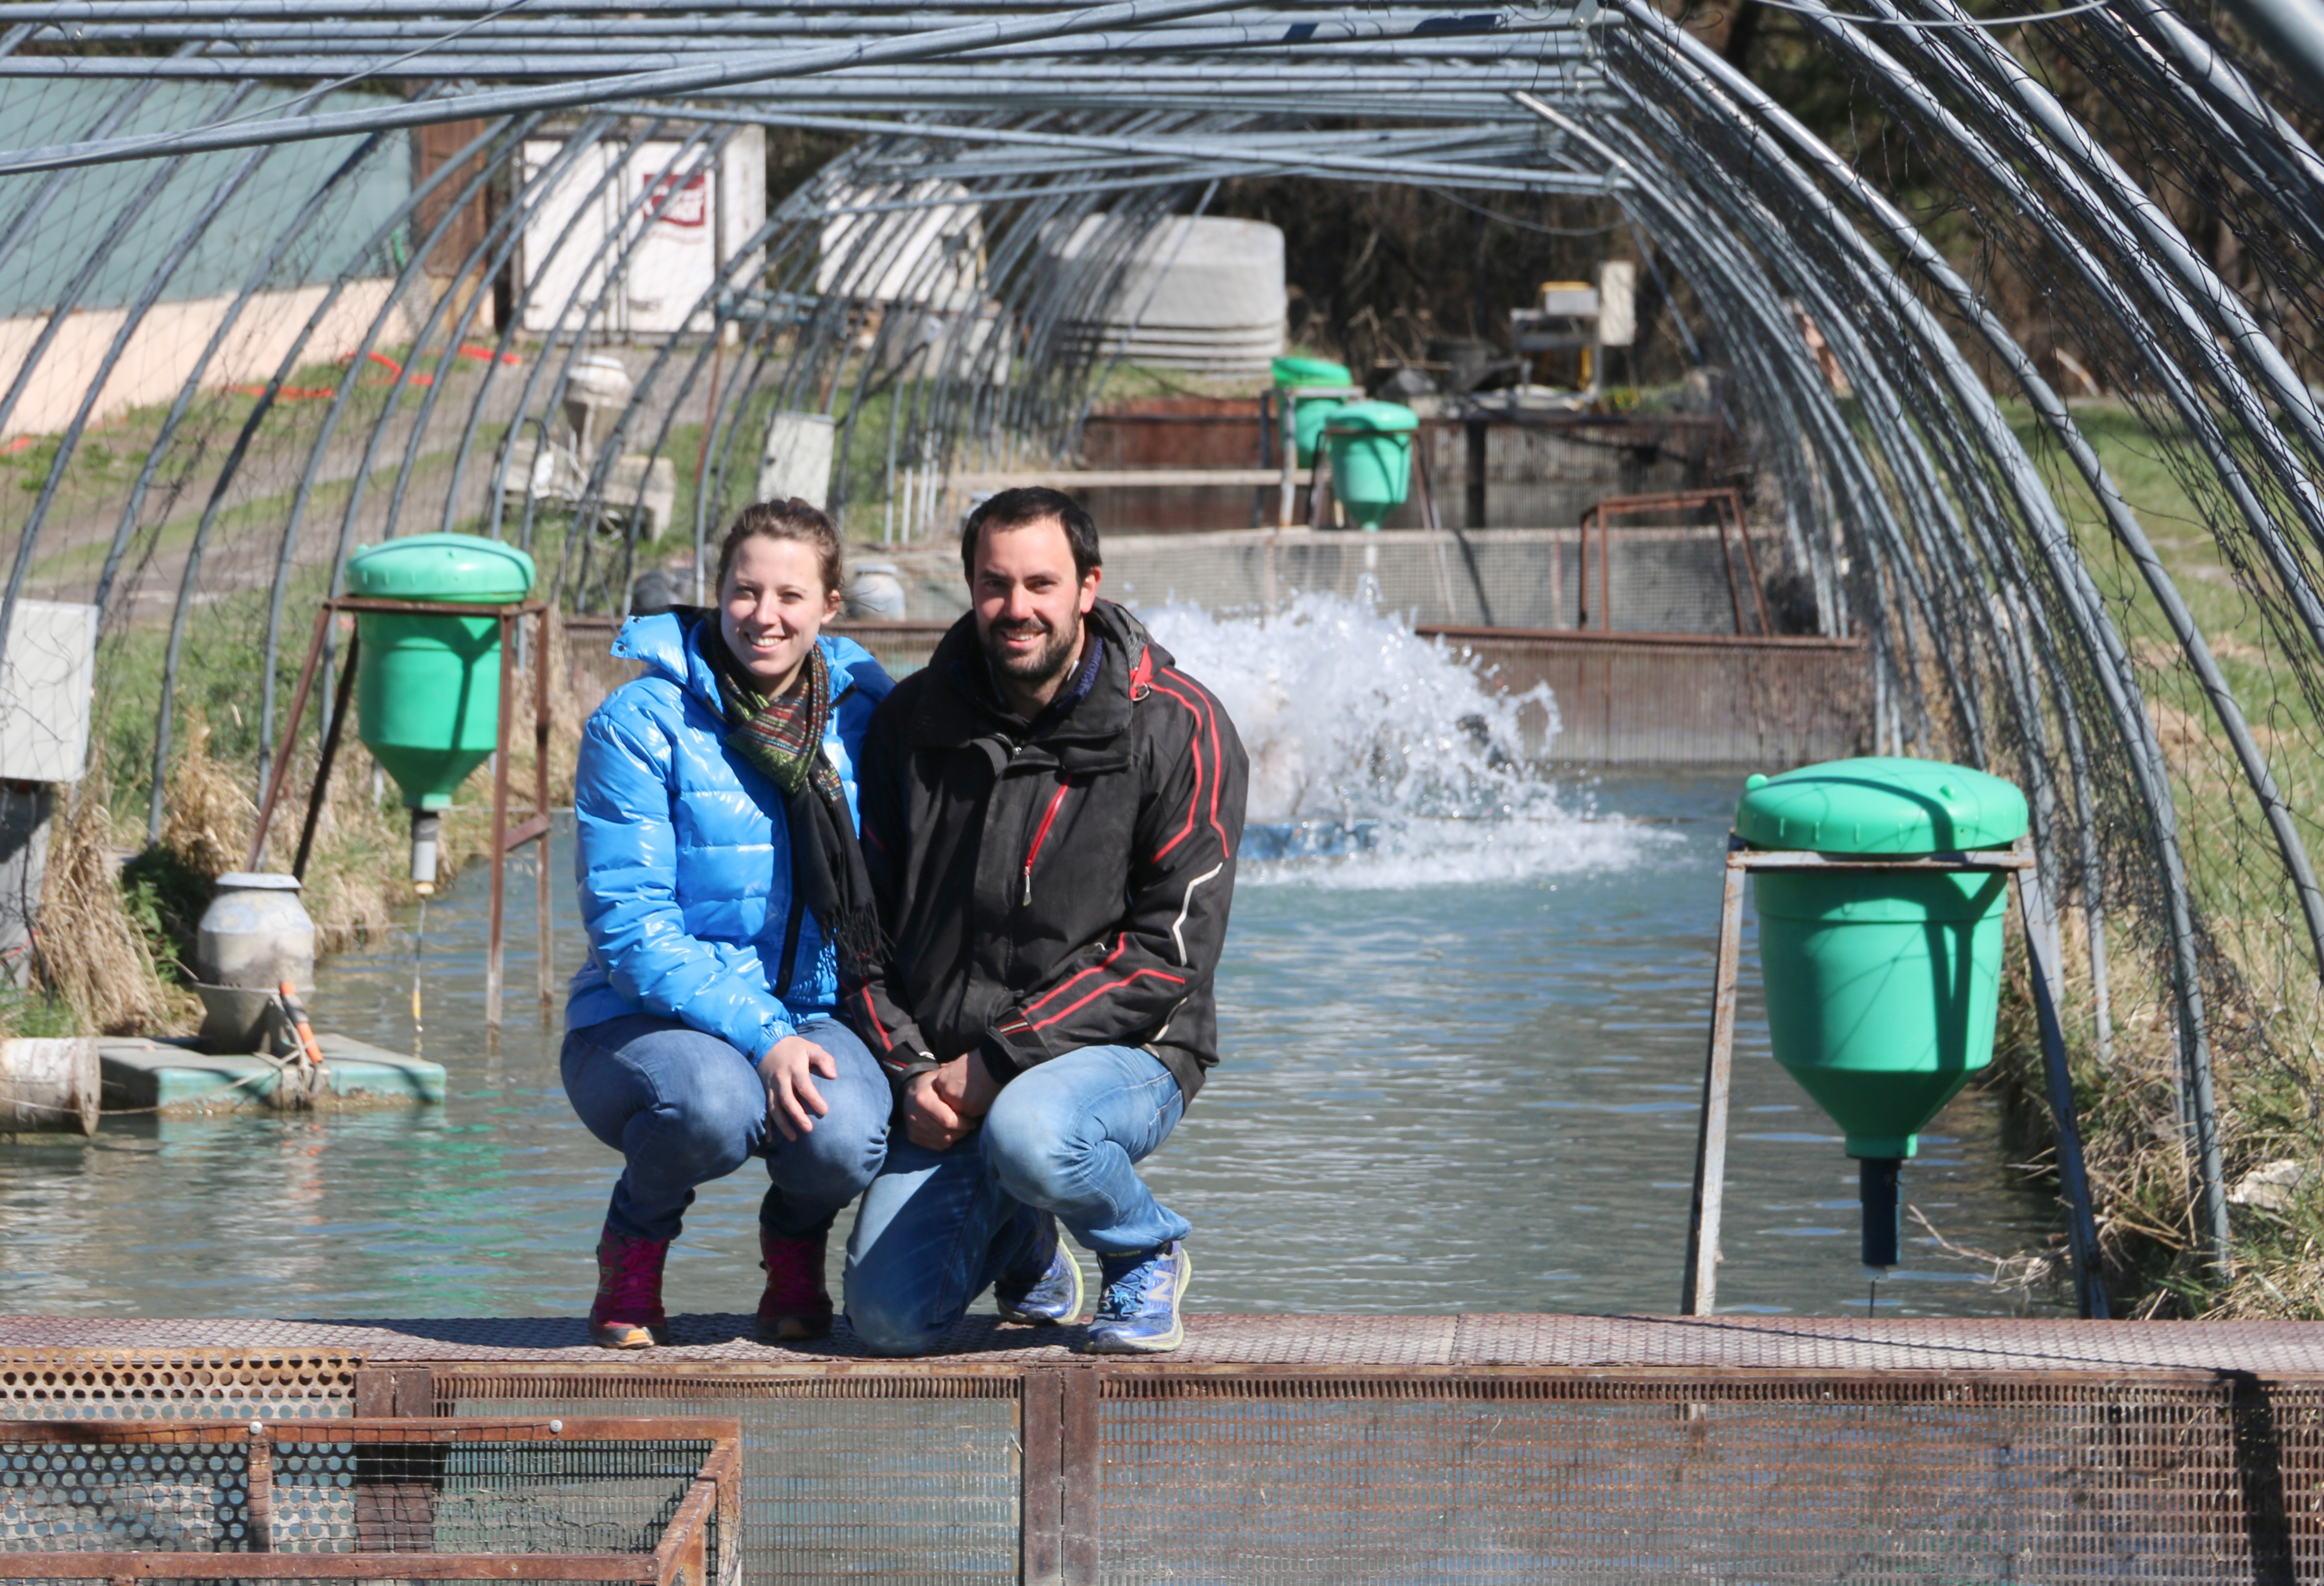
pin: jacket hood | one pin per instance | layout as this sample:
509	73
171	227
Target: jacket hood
671	644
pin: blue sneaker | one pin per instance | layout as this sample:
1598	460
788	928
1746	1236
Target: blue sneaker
1138	1312
1045	1287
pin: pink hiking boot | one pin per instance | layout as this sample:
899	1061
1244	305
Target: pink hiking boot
795	1305
627	1314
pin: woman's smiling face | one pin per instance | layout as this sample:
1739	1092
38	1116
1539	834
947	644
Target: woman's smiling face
772	607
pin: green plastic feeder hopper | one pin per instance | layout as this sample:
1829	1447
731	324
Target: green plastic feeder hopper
1881	989
1371	458
428	688
1308	414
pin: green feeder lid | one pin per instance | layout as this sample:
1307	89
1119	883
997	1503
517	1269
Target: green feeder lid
1881	806
441	567
1372	418
1311	372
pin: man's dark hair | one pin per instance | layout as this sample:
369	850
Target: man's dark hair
1032	503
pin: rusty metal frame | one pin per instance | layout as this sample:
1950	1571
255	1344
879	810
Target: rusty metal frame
680	1559
1699	1285
2263	1426
505	839
1725	502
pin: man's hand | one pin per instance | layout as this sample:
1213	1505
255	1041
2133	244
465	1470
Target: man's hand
941	1107
787	1071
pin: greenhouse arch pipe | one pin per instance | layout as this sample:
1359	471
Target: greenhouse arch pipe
223	483
191	388
528	196
1752	107
68	302
501	238
2225	707
23	225
132	320
752	67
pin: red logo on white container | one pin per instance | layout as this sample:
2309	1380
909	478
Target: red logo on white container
680	201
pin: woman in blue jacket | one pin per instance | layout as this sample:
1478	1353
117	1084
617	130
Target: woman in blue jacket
720	885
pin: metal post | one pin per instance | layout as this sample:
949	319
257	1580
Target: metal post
1285	408
1699	1290
2073	1177
290	736
1474	508
331	730
1041	1478
258	1478
1435	524
497	854
542	947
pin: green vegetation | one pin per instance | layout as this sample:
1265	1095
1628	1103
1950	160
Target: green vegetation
2263	1009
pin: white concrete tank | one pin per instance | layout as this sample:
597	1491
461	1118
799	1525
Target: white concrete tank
1202	294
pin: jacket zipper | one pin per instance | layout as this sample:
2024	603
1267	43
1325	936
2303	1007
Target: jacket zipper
1041	834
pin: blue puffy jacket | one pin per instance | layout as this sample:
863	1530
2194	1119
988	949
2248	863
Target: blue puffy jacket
684	858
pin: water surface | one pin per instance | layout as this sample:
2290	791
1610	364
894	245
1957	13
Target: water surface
1456	1081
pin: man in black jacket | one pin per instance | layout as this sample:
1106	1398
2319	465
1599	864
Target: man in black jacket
1050	812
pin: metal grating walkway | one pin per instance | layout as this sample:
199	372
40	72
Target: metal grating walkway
1313	1451
1331	1343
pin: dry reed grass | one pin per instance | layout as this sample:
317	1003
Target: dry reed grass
94	956
116	945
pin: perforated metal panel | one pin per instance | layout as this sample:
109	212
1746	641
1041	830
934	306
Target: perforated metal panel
176	1384
82	1497
636	1500
901	1479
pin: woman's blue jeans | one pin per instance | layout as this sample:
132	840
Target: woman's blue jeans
937	1227
686	1108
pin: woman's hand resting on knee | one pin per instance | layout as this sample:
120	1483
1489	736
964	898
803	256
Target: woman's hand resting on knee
787	1072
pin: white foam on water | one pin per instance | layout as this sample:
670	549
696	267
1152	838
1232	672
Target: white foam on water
1349	716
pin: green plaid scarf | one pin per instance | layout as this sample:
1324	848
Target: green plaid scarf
782	738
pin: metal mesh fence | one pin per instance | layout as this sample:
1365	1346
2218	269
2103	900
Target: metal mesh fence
910	1481
1150	1473
1518	1481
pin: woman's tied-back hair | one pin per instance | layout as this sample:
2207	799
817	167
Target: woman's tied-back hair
784	520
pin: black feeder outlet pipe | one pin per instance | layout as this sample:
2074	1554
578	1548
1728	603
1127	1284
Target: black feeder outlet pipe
1884	1212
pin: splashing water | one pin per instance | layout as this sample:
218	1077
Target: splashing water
1379	759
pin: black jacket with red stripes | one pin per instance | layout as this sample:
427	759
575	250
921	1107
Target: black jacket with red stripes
1049	885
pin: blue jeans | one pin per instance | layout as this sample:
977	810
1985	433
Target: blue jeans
686	1108
937	1227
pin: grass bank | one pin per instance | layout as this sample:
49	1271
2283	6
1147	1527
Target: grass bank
2261	982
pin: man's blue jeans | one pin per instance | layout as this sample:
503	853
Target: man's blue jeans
937	1227
686	1108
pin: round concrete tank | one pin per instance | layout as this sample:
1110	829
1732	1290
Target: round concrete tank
1193	292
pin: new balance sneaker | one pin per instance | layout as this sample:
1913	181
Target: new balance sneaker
795	1305
627	1311
1044	1288
1137	1314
